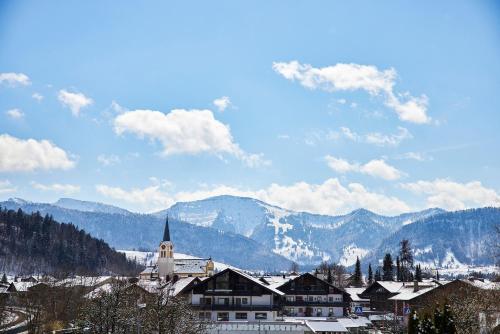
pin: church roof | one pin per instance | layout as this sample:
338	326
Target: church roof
166	232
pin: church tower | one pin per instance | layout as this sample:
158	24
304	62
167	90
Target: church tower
166	255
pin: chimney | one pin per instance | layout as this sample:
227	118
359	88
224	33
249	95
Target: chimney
415	286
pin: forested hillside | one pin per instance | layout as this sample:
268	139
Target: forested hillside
31	243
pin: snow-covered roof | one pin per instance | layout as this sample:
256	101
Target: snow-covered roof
190	266
326	326
149	270
87	281
177	287
408	293
23	286
354	294
98	291
259	282
354	322
391	286
486	285
148	285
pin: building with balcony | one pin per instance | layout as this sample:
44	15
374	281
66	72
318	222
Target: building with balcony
232	295
309	296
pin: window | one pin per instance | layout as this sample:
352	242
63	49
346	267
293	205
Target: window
300	298
205	301
319	312
244	301
223	301
330	299
204	316
241	316
292	311
289	298
310	298
222	316
260	316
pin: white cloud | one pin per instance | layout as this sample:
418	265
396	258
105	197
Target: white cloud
30	154
451	195
377	138
15	113
329	197
66	189
14	79
149	199
108	160
74	101
376	168
418	156
351	77
222	103
6	187
37	96
185	131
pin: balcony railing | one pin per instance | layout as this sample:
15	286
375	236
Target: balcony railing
231	307
315	303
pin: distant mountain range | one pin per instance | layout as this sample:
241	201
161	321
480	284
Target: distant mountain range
251	234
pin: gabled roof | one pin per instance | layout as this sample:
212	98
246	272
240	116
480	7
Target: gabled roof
248	277
280	286
354	294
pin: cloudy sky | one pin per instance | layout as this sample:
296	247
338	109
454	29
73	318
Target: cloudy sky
316	106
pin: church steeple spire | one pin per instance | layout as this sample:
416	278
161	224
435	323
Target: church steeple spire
166	232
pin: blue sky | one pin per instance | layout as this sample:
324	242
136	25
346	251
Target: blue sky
319	106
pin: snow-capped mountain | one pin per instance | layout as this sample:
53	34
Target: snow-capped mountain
251	234
299	236
74	204
142	231
450	240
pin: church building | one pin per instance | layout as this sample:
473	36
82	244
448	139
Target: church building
168	267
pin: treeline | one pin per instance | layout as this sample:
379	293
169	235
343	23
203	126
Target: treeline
32	243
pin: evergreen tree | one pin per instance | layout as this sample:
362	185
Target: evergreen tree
378	277
438	319
437	275
448	323
413	323
426	326
329	278
406	259
370	274
399	277
418	273
357	279
4	279
388	268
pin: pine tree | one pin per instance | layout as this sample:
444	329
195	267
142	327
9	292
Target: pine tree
370	274
329	278
406	259
438	319
399	277
418	273
388	268
4	279
437	275
357	279
378	277
448	323
413	323
426	326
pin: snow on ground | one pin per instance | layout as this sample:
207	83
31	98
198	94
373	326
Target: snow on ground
351	252
292	249
145	258
8	317
277	214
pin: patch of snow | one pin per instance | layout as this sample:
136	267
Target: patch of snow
407	222
292	249
450	261
351	252
276	215
426	250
